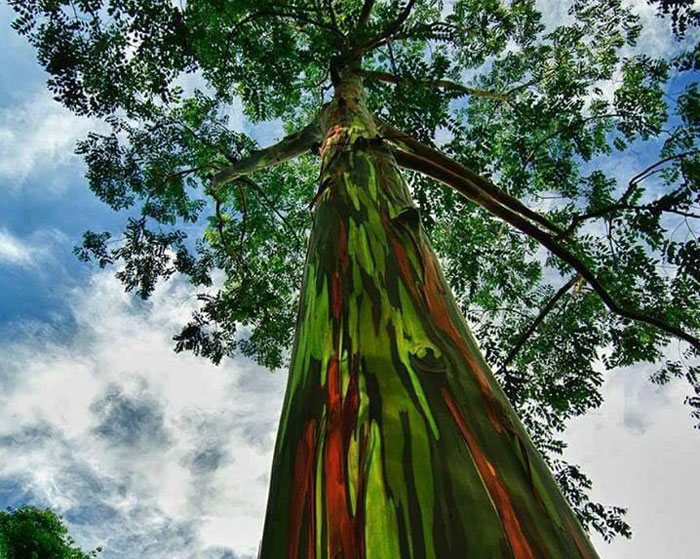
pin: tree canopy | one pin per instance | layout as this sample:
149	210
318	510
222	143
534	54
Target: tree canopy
566	264
32	533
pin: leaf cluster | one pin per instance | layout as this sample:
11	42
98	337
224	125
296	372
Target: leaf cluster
32	533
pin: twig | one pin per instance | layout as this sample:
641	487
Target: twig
525	335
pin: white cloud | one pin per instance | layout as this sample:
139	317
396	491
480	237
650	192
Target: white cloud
114	424
37	136
28	252
13	250
176	463
655	40
641	452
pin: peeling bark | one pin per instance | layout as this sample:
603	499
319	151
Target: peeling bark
395	440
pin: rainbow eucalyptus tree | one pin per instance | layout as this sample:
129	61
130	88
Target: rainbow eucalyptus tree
440	160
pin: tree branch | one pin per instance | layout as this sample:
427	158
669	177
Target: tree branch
365	13
390	31
525	335
299	17
639	177
663	204
271	206
442	84
488	189
572	126
288	148
466	186
331	12
653	207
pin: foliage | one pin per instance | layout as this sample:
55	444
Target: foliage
166	77
32	533
684	14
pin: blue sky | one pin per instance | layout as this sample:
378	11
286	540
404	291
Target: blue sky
152	454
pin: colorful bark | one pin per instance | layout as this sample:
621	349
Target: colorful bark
395	439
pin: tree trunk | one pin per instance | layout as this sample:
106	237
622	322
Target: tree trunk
395	440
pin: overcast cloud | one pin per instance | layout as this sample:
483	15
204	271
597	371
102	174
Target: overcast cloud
146	452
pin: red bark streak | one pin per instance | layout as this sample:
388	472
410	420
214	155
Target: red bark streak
341	541
303	490
343	244
401	257
494	485
336	295
404	264
435	298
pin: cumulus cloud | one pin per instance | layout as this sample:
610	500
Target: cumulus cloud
146	452
130	420
153	454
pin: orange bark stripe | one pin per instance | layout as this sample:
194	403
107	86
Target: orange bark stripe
494	485
437	307
303	490
333	133
402	261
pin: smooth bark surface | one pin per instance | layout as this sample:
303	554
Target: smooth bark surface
395	440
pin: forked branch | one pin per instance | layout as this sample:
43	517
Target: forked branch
389	32
410	144
288	148
466	185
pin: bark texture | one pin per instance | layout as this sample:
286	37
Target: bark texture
395	440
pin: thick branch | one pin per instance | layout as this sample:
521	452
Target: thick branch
288	148
525	335
489	189
465	186
442	84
